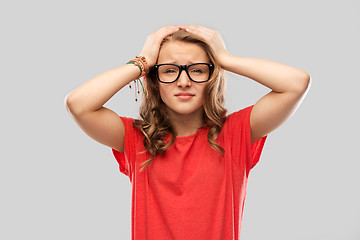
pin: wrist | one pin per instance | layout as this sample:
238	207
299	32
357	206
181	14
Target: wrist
225	59
141	63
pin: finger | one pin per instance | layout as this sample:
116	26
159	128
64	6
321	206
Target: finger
183	26
204	33
163	33
167	30
200	28
212	37
209	35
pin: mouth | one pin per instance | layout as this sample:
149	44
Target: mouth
184	95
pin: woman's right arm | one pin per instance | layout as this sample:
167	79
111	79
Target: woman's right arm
85	104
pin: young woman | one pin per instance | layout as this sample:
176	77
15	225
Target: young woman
188	161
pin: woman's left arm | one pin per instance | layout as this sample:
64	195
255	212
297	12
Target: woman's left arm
289	85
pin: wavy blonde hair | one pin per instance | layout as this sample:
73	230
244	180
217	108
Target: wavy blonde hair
155	123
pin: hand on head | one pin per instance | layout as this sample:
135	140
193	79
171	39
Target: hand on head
153	41
152	44
210	36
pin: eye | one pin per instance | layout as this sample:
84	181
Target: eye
170	71
197	71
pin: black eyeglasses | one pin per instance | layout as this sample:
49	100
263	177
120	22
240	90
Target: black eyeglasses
197	72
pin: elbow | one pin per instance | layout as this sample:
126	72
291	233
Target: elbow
67	103
304	83
75	105
307	82
70	105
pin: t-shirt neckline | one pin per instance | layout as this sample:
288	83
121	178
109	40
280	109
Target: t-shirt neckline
192	135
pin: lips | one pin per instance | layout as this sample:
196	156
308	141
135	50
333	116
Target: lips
184	94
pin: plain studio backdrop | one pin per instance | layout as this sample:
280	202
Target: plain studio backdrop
57	183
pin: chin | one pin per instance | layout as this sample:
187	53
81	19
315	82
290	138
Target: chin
185	111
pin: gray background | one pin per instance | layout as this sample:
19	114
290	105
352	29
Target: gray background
57	183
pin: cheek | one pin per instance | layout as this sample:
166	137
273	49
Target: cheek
164	91
201	91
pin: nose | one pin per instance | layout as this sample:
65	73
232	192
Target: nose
183	80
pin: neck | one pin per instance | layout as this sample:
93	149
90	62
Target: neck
185	125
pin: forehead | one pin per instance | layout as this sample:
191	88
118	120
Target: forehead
182	53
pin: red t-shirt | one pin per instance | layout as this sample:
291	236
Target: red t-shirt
191	191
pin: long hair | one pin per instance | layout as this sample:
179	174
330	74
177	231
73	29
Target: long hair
159	134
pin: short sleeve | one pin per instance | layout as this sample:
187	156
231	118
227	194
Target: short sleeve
240	125
257	147
124	159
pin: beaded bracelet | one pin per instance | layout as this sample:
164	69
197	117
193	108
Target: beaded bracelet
140	61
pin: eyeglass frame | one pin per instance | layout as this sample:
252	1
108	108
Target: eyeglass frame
181	68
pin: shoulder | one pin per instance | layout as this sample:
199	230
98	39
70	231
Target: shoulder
127	120
237	122
130	126
239	116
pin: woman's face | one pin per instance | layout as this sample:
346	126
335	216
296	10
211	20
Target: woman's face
182	97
